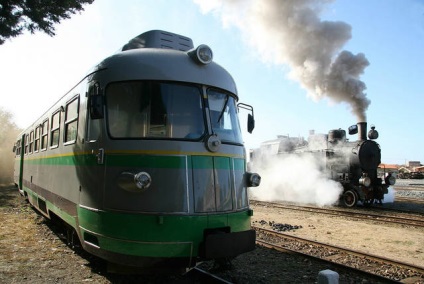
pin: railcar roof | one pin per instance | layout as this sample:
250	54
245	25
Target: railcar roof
166	65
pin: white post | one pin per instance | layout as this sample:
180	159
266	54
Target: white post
328	277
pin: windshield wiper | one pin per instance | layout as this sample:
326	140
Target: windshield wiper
223	109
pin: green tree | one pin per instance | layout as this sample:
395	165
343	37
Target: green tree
16	16
8	134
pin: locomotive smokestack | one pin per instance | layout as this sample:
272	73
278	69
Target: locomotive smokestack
362	131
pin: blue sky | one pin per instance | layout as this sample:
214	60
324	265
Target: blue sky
36	70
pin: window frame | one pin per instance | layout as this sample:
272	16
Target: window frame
31	142
18	147
54	129
68	121
26	143
44	136
37	137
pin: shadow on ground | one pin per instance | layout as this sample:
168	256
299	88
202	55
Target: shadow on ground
7	195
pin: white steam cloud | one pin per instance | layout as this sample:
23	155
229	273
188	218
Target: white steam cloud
291	33
294	178
390	196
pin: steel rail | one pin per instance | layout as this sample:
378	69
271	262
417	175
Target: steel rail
282	249
410	199
336	252
418	222
397	210
204	276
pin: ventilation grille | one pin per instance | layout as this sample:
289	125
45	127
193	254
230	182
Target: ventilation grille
160	39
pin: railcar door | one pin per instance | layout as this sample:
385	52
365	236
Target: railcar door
91	170
19	166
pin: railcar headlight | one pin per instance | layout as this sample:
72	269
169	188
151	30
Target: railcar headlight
390	179
365	181
134	182
142	180
203	54
253	179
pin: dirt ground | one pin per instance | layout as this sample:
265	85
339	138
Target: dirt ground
392	241
32	250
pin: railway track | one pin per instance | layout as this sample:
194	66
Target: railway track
380	267
410	199
199	275
416	220
410	187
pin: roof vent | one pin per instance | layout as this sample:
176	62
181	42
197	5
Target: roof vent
160	39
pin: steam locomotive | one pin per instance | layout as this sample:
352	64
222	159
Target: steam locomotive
143	159
354	164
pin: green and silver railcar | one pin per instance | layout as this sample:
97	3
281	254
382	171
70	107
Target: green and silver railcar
144	158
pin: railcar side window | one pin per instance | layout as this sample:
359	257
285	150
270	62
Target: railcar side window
31	141
44	134
145	109
71	121
18	148
93	123
37	139
55	129
26	143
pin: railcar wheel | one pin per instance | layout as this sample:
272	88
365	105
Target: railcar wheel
350	198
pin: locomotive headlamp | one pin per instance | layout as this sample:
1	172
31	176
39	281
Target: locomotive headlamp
365	181
253	179
203	54
142	180
390	179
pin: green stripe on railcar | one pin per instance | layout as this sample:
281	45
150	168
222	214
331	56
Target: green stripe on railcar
174	162
64	160
152	235
148	235
139	160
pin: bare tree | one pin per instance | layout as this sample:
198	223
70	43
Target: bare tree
16	16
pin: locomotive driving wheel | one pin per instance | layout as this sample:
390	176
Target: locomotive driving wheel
350	198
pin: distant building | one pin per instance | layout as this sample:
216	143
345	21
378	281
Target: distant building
390	167
419	169
412	164
413	170
386	168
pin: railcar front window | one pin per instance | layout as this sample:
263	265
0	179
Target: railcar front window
223	113
145	109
